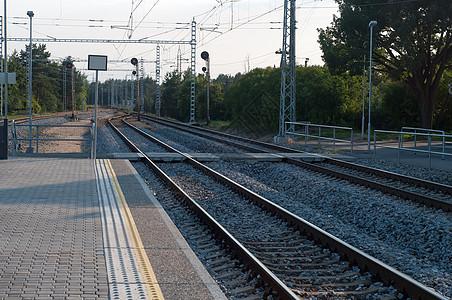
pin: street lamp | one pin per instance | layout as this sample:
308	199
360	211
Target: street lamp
30	51
371	25
364	93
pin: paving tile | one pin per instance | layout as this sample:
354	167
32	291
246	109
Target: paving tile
51	228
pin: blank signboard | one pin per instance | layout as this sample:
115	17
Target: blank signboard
97	62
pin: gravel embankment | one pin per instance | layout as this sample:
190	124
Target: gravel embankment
414	240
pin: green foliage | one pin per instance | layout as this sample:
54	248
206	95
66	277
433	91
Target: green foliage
317	100
444	103
397	108
252	103
412	42
46	83
170	94
17	92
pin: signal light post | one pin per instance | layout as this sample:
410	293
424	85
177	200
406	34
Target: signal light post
205	56
70	66
134	61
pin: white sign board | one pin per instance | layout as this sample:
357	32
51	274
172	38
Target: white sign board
97	62
11	78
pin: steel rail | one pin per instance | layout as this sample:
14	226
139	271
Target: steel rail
426	200
227	135
251	149
407	179
238	250
446	206
380	270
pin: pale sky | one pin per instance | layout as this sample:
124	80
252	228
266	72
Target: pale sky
232	31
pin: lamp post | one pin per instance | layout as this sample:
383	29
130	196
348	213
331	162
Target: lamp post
371	25
30	51
364	91
5	57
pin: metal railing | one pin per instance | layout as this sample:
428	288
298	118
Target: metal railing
429	146
38	139
305	132
424	130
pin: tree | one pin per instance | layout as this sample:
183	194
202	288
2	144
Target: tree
17	92
169	95
413	42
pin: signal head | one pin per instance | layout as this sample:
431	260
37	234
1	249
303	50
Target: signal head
69	65
204	69
134	61
205	55
134	72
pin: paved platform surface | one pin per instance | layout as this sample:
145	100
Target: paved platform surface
51	233
405	157
179	272
52	242
417	159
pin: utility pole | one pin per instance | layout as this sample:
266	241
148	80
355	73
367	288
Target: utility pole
157	81
29	79
5	57
141	91
193	71
287	95
73	93
64	87
1	66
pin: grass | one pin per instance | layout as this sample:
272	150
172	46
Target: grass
219	124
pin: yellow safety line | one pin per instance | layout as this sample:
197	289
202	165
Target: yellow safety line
145	266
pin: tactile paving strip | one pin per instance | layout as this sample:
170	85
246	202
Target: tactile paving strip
130	275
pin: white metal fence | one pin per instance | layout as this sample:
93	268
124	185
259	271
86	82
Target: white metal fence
15	138
422	142
321	133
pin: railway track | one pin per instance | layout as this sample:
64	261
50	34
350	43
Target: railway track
309	261
421	191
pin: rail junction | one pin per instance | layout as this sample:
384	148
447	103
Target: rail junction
156	217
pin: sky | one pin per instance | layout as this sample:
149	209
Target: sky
239	35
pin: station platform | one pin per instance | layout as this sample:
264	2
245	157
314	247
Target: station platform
78	228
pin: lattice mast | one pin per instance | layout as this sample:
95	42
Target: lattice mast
287	96
141	85
157	81
193	71
64	86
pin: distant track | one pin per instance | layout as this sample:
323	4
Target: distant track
425	192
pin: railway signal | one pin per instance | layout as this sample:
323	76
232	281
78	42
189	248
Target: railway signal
205	56
69	65
134	61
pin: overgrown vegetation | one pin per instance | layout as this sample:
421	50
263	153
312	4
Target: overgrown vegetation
47	83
